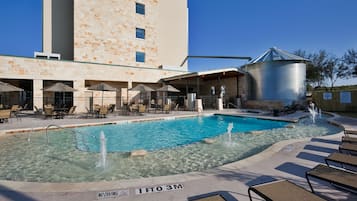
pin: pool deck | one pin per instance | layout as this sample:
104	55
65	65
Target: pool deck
284	160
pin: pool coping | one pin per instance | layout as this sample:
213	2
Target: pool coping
131	183
25	130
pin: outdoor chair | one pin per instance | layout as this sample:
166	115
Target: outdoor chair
348	148
15	109
103	111
37	111
5	115
111	108
71	111
343	159
282	190
345	179
89	113
49	112
142	108
166	108
349	139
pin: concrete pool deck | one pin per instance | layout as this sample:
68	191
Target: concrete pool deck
286	159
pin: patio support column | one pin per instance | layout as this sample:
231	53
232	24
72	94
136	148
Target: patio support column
38	93
130	85
237	85
198	86
186	87
79	97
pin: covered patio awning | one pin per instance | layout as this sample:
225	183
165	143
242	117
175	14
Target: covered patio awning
209	85
210	74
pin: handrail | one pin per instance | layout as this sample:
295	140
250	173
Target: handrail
49	126
54	125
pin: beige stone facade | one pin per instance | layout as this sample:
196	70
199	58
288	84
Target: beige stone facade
105	32
82	75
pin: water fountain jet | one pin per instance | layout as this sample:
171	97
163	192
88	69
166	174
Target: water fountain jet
103	151
229	131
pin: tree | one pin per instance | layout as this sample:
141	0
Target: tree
314	68
335	69
350	60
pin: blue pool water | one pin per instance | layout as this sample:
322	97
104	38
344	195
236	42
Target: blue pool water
157	135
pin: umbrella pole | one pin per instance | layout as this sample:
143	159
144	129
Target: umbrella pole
102	97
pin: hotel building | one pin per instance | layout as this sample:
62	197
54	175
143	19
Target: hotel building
85	42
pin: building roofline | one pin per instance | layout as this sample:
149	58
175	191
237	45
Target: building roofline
202	73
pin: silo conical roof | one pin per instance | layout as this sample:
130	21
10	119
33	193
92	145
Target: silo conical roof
275	54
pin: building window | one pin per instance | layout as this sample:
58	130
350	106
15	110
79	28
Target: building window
140	56
140	33
140	8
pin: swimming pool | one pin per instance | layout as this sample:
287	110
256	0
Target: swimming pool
27	157
170	133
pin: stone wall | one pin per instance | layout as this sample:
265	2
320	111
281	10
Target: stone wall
104	32
78	72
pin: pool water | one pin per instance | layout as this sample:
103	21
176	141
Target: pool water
156	135
27	157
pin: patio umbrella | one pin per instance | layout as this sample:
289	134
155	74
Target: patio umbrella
6	87
167	88
142	89
102	87
59	87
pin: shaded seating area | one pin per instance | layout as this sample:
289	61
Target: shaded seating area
282	190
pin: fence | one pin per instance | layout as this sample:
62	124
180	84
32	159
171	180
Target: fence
337	100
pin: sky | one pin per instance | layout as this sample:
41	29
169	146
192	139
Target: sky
221	28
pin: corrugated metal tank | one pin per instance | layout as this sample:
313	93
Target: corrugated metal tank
277	75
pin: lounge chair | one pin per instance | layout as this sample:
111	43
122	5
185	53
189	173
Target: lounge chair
282	190
89	113
5	115
338	177
348	147
349	139
343	159
210	198
71	111
351	133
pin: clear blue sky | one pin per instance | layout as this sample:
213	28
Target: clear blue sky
220	27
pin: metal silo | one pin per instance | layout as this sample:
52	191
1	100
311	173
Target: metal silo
277	75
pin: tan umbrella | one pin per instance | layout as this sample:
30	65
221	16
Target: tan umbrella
6	87
60	87
167	88
102	87
142	89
